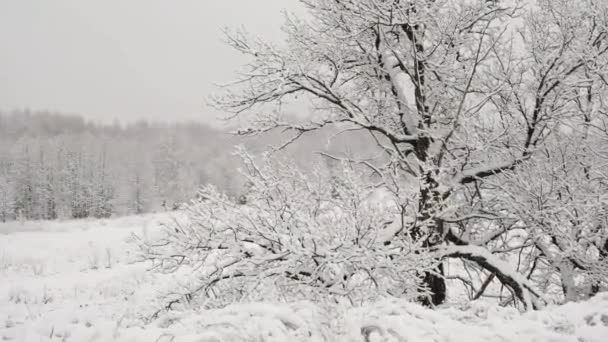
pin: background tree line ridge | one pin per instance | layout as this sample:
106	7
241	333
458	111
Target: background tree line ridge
61	166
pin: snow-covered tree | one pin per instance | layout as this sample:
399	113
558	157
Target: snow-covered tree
23	180
7	205
138	187
167	167
454	92
103	189
44	188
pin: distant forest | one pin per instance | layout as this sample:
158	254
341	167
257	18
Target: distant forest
61	166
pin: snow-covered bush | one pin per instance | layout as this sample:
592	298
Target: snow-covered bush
298	236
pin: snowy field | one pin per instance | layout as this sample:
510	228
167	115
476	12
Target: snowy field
81	281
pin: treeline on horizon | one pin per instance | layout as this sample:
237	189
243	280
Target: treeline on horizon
61	166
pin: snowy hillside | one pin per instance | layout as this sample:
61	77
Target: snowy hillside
80	281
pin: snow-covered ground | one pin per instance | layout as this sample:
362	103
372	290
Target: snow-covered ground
79	281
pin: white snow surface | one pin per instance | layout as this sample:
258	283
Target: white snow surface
80	281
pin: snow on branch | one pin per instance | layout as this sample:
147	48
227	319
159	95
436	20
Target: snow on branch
522	287
473	174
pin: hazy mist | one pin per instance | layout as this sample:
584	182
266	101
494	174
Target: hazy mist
136	59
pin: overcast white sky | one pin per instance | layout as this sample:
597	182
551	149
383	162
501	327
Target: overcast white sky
126	59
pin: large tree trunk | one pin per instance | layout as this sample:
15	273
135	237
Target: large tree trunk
431	230
566	270
435	282
595	287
